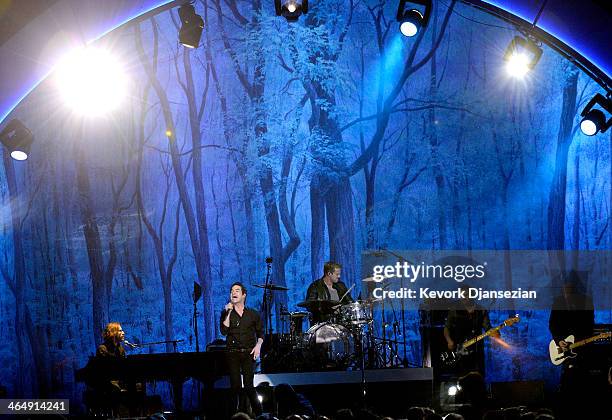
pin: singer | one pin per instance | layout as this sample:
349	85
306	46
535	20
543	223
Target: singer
112	348
244	331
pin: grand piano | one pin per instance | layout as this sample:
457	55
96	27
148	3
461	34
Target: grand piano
175	368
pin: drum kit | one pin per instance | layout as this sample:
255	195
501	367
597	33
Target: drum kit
344	340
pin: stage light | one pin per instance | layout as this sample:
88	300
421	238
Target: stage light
521	56
168	133
291	9
191	28
412	20
91	81
17	139
453	389
411	24
593	119
260	398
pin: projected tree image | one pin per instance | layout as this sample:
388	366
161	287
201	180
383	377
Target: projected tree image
304	142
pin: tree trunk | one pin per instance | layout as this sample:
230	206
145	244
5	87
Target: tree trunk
435	145
17	282
200	198
556	201
576	226
100	298
317	227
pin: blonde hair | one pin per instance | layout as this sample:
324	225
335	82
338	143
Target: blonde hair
111	331
330	267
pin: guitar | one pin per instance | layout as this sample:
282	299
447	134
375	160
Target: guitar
558	355
449	358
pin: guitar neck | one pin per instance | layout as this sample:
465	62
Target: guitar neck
476	339
589	340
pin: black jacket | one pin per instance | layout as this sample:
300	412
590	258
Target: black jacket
318	291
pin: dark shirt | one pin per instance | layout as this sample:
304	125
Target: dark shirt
572	316
463	325
318	291
109	350
243	332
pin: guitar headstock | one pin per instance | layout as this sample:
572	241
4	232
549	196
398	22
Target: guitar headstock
605	335
511	321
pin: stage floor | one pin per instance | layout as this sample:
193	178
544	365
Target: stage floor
338	377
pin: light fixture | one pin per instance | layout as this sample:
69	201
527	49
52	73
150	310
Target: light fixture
593	119
17	139
91	81
453	389
191	28
291	9
521	56
411	20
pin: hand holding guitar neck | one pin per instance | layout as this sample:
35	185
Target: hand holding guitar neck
449	358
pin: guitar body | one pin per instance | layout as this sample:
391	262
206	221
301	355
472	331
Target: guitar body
450	358
558	356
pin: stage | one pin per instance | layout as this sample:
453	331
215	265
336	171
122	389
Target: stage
388	391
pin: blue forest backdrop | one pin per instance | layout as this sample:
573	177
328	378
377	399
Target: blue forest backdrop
304	142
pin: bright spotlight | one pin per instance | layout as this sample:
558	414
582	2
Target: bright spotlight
521	56
291	9
91	81
452	390
17	139
593	119
517	65
191	28
260	398
19	155
412	20
411	23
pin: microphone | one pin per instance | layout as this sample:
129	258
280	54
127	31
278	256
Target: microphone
130	345
269	260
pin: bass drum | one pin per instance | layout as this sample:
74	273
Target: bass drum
330	346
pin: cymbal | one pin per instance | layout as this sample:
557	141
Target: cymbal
371	300
371	279
271	287
319	305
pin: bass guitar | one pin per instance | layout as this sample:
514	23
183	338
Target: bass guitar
559	355
450	358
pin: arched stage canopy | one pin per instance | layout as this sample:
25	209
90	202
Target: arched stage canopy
37	33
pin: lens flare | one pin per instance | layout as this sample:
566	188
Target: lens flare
518	65
91	81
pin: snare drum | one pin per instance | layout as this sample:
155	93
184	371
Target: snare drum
356	313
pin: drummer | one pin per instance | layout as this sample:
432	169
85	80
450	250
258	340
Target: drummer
329	287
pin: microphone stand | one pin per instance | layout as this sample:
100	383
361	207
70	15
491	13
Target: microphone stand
268	297
195	325
174	342
400	258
